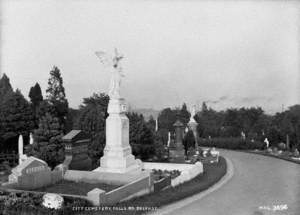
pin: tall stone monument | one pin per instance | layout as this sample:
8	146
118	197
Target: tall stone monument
117	156
176	150
192	124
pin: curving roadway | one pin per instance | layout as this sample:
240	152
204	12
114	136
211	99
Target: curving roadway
260	185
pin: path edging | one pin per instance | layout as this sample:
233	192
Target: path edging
177	205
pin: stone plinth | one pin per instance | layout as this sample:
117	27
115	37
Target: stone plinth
117	156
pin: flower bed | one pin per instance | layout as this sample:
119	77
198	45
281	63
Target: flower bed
159	174
23	203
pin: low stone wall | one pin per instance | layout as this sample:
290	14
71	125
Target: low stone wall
40	179
162	184
133	184
136	188
56	176
188	174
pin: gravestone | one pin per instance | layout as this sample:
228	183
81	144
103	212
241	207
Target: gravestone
176	149
76	150
30	174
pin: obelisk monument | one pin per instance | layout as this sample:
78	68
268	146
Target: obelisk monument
117	156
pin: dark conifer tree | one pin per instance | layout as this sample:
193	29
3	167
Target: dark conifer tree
16	116
56	95
47	141
5	87
35	95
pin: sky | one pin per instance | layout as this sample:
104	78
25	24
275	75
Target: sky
227	53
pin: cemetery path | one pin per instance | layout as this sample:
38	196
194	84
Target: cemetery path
260	186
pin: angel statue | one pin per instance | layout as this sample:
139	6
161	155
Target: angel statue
113	63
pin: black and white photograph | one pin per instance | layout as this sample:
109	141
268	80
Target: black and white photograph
157	107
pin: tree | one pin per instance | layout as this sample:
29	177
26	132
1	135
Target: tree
91	119
35	95
56	95
16	116
71	119
166	118
184	115
189	141
47	141
140	136
5	87
151	124
210	123
290	124
161	151
204	107
232	123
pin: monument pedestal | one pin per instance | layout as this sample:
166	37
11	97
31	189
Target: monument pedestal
117	156
176	155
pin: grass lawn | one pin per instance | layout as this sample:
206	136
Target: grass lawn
75	188
212	174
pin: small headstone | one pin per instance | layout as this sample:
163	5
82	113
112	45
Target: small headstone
52	200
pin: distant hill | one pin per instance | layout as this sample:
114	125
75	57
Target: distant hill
147	112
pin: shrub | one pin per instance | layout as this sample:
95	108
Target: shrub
232	143
281	146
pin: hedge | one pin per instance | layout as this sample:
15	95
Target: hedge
232	143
